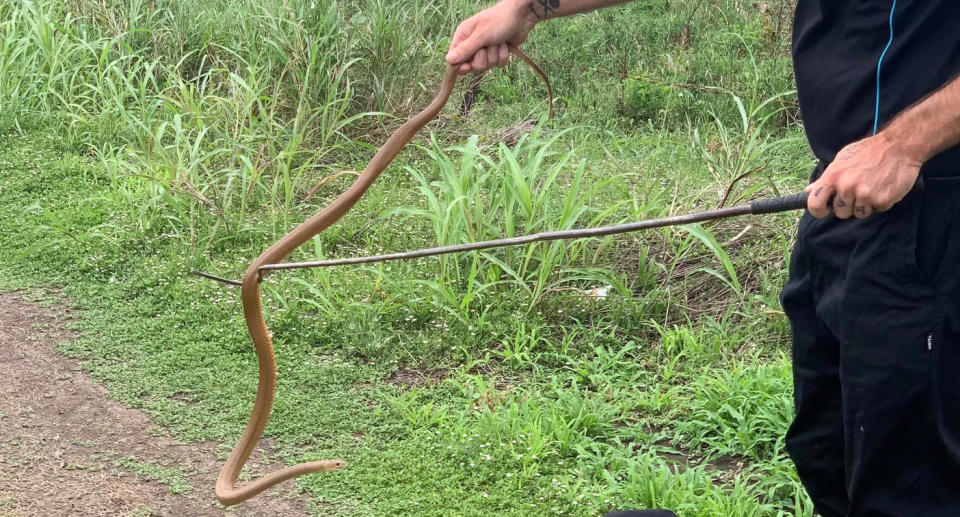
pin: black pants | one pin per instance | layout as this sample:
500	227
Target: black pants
874	307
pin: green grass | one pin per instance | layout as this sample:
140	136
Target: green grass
173	478
139	140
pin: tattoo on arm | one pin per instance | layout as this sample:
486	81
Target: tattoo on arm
840	203
548	6
861	209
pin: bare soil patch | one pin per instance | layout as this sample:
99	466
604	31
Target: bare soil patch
66	448
410	378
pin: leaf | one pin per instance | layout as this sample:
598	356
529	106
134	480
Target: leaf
710	242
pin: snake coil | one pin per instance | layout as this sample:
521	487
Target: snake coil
226	490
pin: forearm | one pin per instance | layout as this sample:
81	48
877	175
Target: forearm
540	10
929	126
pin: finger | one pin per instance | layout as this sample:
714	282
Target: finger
493	57
504	55
479	62
465	68
883	207
818	203
459	51
862	210
843	204
466	50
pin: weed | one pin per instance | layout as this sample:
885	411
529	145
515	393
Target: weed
174	478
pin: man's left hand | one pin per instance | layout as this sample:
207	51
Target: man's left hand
866	176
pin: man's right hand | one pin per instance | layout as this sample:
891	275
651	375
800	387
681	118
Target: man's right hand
480	43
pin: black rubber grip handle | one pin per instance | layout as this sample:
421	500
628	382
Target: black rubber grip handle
779	204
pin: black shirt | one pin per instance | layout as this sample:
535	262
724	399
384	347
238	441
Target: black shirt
837	48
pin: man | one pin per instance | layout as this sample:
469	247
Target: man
874	292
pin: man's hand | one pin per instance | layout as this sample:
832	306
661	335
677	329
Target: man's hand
866	176
877	172
480	43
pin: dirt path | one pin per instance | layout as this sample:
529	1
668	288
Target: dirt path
68	449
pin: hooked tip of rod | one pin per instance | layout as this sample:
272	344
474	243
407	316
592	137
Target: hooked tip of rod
216	278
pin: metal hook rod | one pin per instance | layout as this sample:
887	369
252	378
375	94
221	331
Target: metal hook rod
523	239
762	206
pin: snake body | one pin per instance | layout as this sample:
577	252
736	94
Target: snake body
227	491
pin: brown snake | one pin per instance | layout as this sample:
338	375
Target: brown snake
227	491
